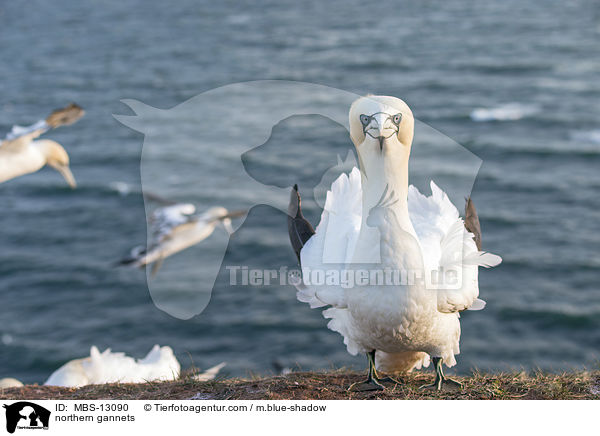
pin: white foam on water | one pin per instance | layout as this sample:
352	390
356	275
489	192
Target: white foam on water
505	112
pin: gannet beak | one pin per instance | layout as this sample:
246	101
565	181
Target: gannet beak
381	127
65	171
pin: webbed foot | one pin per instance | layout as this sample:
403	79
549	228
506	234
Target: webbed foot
440	378
369	384
390	380
373	381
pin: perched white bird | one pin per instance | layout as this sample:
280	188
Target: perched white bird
176	227
373	221
109	367
20	154
9	382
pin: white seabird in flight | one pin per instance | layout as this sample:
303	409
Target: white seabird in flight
373	219
176	227
20	154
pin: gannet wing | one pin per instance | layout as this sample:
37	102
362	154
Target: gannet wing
175	228
450	248
165	229
165	220
332	245
299	229
179	228
431	218
65	116
181	221
20	136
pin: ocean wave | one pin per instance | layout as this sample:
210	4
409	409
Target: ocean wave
567	147
505	112
587	136
535	263
549	318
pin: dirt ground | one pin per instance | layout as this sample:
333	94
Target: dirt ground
330	386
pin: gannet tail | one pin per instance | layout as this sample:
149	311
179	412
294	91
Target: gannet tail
299	229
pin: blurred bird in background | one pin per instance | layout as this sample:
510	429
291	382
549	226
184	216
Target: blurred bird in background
20	154
175	227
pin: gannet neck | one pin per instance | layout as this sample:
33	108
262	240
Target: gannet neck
400	247
52	151
385	166
56	157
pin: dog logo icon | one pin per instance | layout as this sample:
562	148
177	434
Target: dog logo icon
26	415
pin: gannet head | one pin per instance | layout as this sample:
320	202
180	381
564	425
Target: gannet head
220	215
381	120
214	213
57	158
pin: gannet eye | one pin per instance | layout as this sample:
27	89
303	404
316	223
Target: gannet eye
396	119
365	119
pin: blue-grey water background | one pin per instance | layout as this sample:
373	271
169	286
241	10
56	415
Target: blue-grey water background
536	192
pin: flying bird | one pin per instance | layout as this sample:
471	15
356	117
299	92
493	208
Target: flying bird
373	220
175	227
20	154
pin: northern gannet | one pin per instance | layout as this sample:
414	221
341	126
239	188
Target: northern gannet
108	367
20	154
176	227
374	221
9	382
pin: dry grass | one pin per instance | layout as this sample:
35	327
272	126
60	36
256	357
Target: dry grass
331	386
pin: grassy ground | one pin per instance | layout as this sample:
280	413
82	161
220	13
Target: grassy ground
331	386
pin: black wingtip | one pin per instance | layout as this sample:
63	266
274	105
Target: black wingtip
299	228
294	204
472	221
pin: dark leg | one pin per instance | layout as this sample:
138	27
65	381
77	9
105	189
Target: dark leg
371	383
440	378
375	375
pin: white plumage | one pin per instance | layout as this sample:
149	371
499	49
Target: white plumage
20	154
108	367
9	382
372	220
160	364
441	237
176	227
